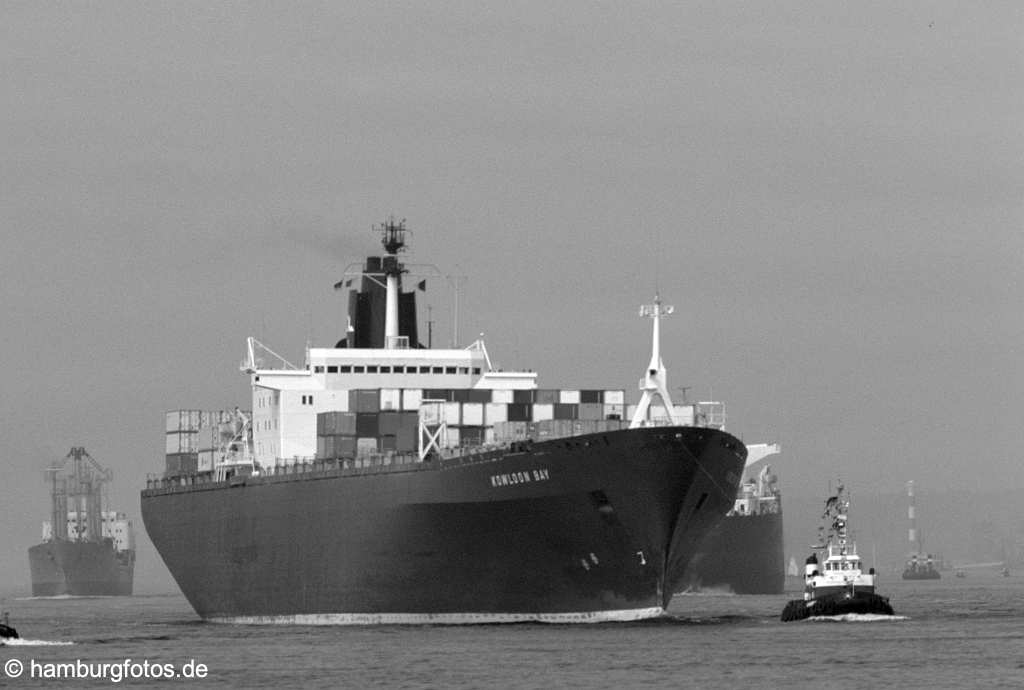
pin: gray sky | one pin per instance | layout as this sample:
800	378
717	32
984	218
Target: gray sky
830	195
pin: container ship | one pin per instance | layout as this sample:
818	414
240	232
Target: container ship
390	482
744	553
86	549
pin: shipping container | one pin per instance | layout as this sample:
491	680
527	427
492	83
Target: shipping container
495	412
471	436
388	442
389	423
367	424
546	396
208	438
612	424
345	423
432	413
520	412
614	411
569	397
411	398
344	446
479	395
364	400
591	396
614	398
206	460
454	439
405	439
542	411
521	397
367	446
321	448
452	413
591	411
390	399
332	423
684	414
505	432
438	394
473	414
183	420
503	396
566	411
178	464
182	442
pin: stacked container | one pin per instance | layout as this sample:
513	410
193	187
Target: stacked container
376	423
182	442
195	439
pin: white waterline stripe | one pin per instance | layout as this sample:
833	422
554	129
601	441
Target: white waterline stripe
442	618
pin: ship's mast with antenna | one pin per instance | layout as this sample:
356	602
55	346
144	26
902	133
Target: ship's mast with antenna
655	380
393	239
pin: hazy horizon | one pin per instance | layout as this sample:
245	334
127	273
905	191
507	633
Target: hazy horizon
830	196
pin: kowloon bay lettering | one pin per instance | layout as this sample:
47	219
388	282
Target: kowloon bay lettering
524	477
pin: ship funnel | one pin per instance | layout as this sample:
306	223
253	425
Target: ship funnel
393	239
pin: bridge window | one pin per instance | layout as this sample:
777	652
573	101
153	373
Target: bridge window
332	370
385	370
371	368
476	371
357	369
398	369
424	370
449	370
463	370
345	368
438	370
318	369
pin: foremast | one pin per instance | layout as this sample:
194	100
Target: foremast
655	380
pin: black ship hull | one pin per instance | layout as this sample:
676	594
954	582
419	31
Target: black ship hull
80	569
744	554
588	528
837	604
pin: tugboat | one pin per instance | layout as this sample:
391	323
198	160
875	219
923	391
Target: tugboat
838	585
6	631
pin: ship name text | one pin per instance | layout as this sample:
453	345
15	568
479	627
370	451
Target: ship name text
524	477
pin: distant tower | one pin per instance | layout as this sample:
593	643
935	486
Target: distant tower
655	378
912	532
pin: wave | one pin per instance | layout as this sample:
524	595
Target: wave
22	642
61	597
706	592
858	618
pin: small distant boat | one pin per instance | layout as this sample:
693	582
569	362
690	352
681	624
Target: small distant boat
838	585
960	572
919	567
6	631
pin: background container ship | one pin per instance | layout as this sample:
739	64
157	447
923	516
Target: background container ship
744	553
389	482
86	550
